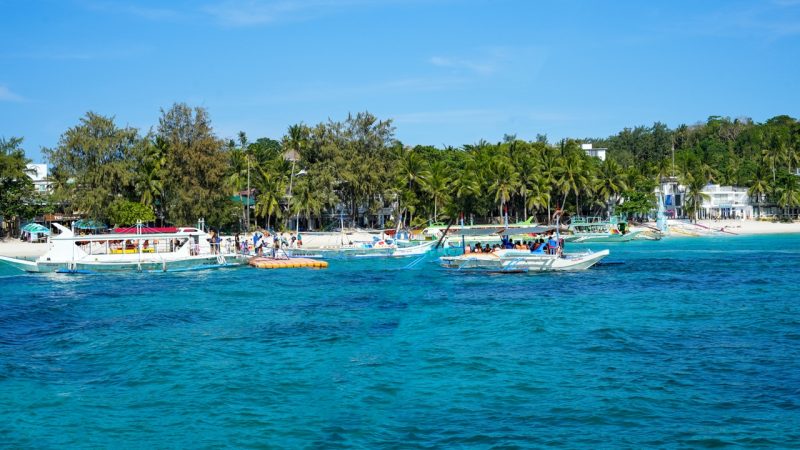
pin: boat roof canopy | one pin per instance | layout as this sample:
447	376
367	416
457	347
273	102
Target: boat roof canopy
501	230
35	228
145	230
89	224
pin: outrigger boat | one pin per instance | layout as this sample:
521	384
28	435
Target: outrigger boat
510	260
378	248
136	250
595	229
474	232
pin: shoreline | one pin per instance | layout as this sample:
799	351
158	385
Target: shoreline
15	248
736	227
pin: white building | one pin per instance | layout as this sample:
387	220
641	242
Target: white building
672	194
726	202
38	173
596	152
723	202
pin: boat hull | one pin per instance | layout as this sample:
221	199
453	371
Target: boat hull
522	261
145	265
604	238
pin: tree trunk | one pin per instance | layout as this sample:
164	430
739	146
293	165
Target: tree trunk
525	206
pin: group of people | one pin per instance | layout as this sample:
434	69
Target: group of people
268	242
550	245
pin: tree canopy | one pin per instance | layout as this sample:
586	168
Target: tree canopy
358	170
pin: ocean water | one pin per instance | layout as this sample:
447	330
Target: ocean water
690	343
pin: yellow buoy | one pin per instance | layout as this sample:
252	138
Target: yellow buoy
292	263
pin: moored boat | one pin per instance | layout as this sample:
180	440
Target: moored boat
595	229
183	249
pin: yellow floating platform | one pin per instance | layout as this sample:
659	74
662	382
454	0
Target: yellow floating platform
291	263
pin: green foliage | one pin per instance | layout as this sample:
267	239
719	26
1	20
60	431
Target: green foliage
16	188
94	163
123	212
355	168
637	203
195	164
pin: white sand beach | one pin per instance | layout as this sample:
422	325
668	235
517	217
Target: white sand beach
17	248
750	227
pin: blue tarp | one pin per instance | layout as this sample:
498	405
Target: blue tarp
89	224
35	228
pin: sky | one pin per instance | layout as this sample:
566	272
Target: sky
447	72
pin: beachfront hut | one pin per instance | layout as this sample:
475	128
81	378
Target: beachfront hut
34	232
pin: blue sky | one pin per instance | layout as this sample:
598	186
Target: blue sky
448	72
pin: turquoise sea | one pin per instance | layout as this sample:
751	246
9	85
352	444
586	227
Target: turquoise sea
691	343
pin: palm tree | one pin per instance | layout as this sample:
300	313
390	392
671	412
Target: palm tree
788	193
307	200
695	196
271	189
572	178
465	187
538	194
610	183
437	184
528	180
411	168
150	183
759	187
504	180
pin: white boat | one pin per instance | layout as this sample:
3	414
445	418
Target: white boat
184	249
414	250
522	261
595	229
474	233
376	249
513	260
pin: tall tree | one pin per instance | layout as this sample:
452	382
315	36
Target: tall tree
196	164
97	160
16	187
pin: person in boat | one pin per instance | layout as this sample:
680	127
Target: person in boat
552	245
212	238
477	248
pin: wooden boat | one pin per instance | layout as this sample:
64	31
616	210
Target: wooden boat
183	249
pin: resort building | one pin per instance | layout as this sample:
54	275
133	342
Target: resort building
726	202
595	152
672	196
718	202
38	173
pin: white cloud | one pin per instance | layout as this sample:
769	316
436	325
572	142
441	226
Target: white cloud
480	67
449	116
149	13
490	61
775	20
6	95
245	13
